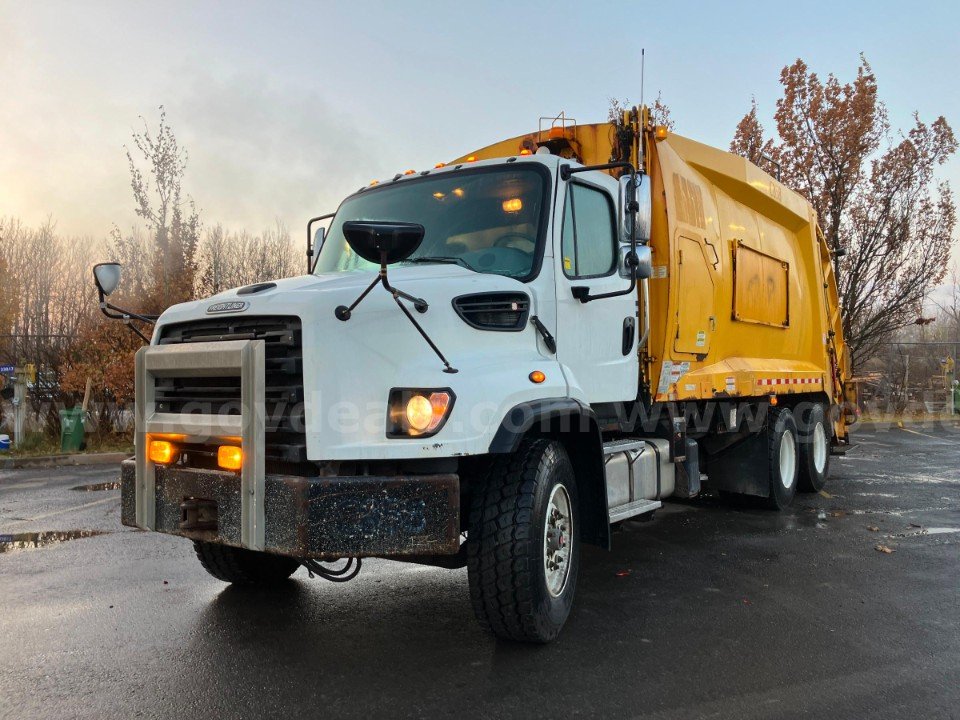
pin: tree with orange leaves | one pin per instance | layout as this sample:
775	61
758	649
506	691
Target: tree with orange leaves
884	213
888	219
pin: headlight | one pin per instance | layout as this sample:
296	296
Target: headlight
418	412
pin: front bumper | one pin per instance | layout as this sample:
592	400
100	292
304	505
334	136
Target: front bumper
321	518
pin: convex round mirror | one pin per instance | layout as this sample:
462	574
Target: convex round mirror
107	277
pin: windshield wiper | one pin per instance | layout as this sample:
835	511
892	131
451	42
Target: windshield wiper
441	259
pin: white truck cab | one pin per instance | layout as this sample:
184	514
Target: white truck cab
435	407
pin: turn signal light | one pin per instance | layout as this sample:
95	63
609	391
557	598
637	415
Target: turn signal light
537	377
162	452
230	457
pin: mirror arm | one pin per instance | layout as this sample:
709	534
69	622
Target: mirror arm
581	292
115	313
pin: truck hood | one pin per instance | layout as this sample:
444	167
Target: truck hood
350	367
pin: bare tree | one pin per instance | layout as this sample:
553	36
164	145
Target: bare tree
228	260
170	215
948	321
659	112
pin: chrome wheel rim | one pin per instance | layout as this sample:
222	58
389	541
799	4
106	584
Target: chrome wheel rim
557	538
819	448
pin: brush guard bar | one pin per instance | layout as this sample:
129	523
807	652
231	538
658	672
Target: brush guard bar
243	358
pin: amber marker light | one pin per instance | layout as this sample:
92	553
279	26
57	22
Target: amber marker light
660	132
526	151
230	457
773	400
162	452
409	172
537	377
513	205
439	165
472	158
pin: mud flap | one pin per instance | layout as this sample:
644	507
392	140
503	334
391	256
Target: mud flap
742	468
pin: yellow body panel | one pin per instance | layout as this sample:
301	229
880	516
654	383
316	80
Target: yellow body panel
743	299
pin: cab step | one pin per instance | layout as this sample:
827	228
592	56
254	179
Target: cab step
639	507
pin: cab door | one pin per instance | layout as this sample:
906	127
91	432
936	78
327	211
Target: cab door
596	340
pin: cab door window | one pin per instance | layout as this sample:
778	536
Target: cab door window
589	239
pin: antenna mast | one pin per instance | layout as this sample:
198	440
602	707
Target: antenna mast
643	60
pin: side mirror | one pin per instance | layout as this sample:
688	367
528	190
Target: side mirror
383	242
107	277
318	238
641	264
644	201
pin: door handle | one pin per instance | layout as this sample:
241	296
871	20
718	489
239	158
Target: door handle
629	330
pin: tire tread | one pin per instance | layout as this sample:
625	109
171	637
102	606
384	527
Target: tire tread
499	560
241	566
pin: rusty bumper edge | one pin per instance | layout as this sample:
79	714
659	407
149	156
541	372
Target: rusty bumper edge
316	517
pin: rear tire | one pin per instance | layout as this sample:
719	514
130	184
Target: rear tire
244	567
523	543
782	453
814	450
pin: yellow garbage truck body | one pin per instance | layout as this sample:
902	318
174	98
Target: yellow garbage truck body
743	299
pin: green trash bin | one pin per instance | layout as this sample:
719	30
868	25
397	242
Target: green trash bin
71	430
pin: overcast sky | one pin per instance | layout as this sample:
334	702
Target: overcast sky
285	107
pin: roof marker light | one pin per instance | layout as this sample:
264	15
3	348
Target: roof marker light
409	172
472	158
439	165
525	151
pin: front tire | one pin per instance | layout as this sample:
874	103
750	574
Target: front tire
243	567
523	543
782	454
814	451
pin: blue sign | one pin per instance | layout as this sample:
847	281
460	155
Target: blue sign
7	369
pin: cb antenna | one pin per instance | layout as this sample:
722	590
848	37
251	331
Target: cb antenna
643	60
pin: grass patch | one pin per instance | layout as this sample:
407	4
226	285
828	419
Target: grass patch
36	444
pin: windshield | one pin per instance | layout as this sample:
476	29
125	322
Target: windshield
484	220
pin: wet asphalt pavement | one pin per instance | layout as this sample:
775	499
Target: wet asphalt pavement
708	611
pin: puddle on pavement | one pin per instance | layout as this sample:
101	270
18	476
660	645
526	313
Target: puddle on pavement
26	541
95	487
919	532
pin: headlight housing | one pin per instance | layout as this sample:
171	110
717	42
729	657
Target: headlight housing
418	412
